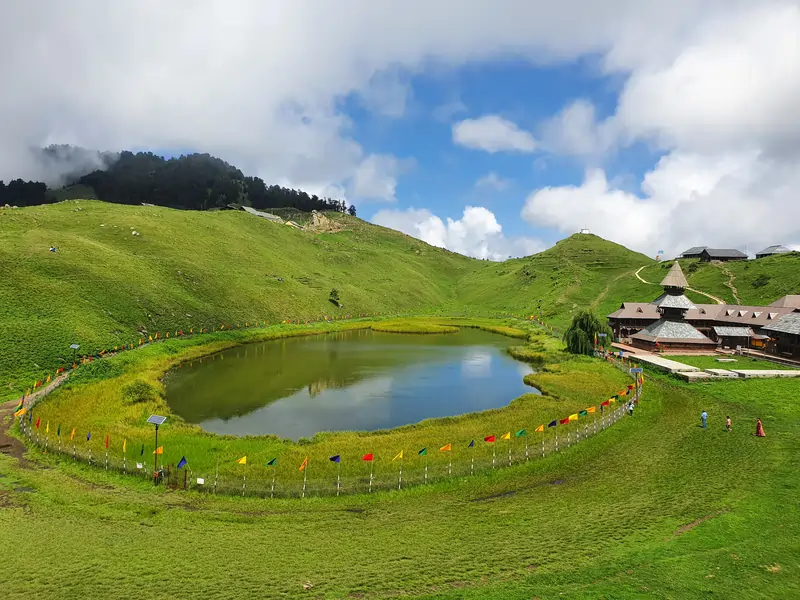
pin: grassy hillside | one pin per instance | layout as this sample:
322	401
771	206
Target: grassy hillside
757	282
186	269
578	272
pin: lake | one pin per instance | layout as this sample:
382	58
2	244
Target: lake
355	380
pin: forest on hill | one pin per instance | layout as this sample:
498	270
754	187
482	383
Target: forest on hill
191	182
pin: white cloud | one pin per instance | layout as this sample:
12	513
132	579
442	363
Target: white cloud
494	181
575	131
376	177
492	134
387	93
477	233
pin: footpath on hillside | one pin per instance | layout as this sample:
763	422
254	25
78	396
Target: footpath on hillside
696	291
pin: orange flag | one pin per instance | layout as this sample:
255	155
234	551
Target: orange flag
305	464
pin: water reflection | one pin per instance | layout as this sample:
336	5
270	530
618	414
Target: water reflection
358	380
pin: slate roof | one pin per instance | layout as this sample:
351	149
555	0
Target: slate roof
693	251
724	253
777	249
723	314
675	277
671	301
733	331
672	331
786	324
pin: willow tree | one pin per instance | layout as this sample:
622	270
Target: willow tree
580	335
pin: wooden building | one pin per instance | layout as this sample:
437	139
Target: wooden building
786	333
721	254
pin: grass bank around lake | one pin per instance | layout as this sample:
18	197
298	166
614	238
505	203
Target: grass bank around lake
742	362
655	507
113	397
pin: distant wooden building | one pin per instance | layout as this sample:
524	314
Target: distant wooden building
786	333
721	254
772	251
693	252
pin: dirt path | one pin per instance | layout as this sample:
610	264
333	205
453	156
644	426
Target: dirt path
731	278
10	445
696	291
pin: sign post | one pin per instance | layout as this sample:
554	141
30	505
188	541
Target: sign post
156	420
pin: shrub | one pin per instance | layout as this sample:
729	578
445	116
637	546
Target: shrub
138	392
761	281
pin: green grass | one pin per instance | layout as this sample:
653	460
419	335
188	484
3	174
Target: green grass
742	362
654	507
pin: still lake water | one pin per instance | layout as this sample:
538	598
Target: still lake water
355	380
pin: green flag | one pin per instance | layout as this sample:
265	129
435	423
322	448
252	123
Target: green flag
423	452
521	432
583	413
272	462
58	433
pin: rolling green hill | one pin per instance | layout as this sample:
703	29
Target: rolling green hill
106	286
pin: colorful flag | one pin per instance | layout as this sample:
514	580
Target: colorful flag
272	462
489	439
19	406
521	433
540	429
72	435
606	403
399	455
106	441
583	413
124	445
337	458
243	460
58	432
564	421
38	421
20	412
142	452
47	427
573	417
368	457
88	436
506	436
552	423
591	409
613	399
423	452
159	450
304	464
472	444
446	448
182	463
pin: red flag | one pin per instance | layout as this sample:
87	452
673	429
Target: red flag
564	421
606	403
630	387
489	439
367	457
106	441
38	420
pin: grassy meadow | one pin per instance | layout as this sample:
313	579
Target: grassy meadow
742	362
653	507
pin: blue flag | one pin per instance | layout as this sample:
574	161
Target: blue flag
88	436
552	423
336	458
472	444
182	463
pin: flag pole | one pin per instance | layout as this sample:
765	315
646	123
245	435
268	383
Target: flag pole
493	455
556	432
305	476
216	474
338	476
472	462
543	444
509	451
244	477
125	461
400	475
272	489
371	463
426	467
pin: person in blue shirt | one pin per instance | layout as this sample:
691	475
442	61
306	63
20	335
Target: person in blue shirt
703	417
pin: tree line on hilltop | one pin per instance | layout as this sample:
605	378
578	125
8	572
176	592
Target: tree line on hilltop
192	181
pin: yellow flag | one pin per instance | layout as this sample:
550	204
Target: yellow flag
591	409
149	338
399	455
304	464
446	448
72	435
243	460
48	379
20	412
124	445
506	436
540	429
47	427
612	400
159	450
573	417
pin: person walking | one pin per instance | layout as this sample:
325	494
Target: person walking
728	425
760	429
630	408
703	418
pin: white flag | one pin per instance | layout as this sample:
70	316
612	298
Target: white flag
200	481
139	465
